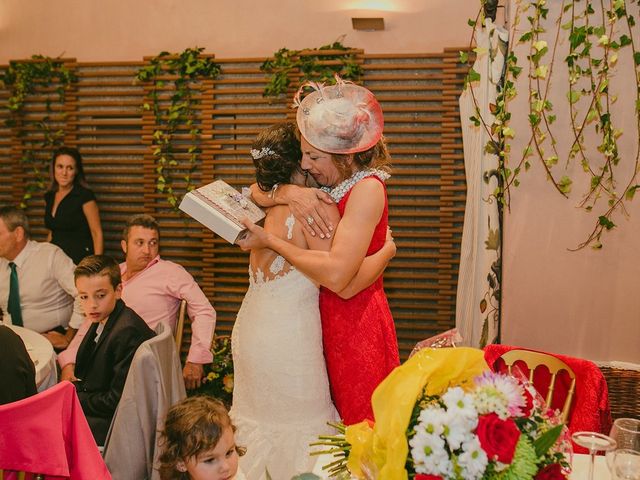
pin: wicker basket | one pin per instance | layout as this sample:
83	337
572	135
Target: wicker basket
624	391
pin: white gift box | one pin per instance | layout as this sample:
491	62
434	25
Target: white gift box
220	208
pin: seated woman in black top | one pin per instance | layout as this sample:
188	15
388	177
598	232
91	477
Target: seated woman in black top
71	211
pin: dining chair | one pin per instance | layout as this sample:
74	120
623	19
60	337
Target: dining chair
153	384
182	314
533	361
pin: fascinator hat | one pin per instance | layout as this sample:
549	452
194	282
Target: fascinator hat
342	118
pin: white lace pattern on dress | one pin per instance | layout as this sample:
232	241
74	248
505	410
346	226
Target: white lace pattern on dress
281	399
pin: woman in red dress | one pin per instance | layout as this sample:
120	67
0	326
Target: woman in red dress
343	150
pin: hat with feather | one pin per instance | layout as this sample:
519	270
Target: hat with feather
342	118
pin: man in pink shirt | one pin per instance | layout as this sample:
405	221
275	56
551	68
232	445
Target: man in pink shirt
154	288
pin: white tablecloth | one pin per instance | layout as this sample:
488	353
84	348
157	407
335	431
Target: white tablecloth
41	352
580	467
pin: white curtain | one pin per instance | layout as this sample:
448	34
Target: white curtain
479	283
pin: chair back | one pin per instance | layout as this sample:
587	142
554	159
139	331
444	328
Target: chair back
49	433
182	314
533	360
154	383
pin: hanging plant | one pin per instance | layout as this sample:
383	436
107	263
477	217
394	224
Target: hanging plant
315	64
177	73
23	78
595	48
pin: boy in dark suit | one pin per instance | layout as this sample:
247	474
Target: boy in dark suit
105	354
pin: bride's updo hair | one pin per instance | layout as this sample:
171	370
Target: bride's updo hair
276	155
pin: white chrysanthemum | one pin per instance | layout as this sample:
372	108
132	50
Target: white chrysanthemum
429	454
500	394
459	402
473	459
432	419
458	429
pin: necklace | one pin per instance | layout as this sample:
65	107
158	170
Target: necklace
340	190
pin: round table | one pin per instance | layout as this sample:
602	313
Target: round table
41	352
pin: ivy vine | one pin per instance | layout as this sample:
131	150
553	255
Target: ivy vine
24	78
597	42
315	64
178	74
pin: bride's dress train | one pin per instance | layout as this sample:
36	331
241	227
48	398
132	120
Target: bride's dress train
281	398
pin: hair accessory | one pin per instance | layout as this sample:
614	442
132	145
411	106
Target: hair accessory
341	118
258	154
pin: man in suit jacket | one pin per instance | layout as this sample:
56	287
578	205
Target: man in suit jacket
105	354
17	372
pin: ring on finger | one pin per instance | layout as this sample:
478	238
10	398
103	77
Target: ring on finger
310	220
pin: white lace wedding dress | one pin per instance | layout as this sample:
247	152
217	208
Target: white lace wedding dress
281	399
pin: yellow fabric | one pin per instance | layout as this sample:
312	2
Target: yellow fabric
384	448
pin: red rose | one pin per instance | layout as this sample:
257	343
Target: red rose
498	438
550	472
424	476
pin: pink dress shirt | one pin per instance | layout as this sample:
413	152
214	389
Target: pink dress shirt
155	294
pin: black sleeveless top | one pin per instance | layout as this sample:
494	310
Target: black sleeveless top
69	228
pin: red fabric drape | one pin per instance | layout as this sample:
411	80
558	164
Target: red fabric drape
49	434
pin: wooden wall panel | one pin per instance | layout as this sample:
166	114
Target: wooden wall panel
103	116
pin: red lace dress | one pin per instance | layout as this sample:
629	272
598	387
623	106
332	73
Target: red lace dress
359	337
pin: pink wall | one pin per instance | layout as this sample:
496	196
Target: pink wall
584	303
115	30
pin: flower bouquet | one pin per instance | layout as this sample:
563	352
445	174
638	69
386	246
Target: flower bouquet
218	375
444	415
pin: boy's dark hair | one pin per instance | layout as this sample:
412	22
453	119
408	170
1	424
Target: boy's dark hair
140	220
192	427
276	154
99	265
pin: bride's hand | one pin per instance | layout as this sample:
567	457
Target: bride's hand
390	245
255	237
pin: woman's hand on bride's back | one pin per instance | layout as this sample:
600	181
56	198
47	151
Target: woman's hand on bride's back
306	204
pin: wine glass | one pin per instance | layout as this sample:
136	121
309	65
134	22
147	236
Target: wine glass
594	442
625	464
626	433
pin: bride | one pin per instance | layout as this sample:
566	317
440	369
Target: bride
281	398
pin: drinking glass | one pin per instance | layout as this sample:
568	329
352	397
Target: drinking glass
594	442
626	433
625	464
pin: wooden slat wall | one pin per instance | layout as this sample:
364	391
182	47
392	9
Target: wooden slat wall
418	94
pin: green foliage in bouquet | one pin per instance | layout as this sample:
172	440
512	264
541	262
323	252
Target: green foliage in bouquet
218	375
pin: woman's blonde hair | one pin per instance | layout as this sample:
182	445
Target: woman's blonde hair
376	157
192	427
